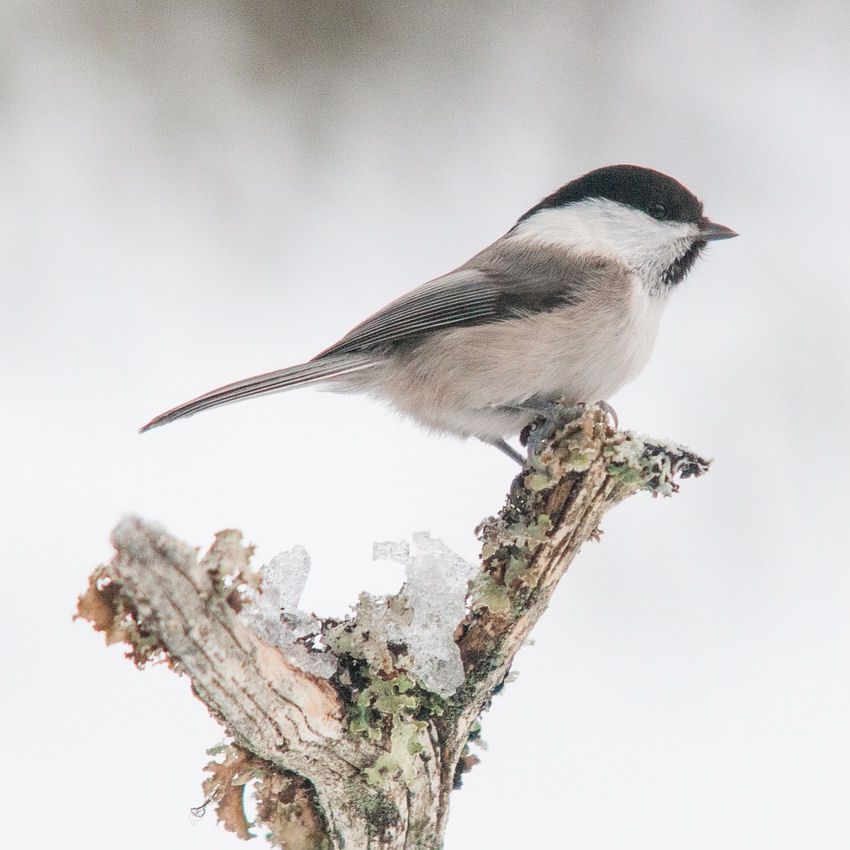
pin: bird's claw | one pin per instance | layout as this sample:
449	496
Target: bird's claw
609	412
553	415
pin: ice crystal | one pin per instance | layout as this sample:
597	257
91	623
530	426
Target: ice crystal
434	603
273	613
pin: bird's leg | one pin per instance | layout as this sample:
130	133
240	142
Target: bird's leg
554	415
507	449
554	412
557	414
551	415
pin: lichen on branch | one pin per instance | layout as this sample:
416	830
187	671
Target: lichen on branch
352	733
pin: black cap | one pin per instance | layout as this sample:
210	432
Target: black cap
650	191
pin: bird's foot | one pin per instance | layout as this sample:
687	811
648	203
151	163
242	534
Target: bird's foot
551	416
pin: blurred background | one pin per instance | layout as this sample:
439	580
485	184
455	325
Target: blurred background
193	192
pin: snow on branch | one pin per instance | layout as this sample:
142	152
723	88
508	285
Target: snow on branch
352	733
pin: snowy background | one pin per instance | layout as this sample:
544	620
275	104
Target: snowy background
192	192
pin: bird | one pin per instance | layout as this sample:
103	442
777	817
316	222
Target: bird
564	309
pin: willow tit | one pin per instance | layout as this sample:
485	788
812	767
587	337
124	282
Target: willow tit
565	306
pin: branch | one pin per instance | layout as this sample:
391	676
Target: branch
353	733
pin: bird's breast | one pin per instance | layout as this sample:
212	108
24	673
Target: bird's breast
584	352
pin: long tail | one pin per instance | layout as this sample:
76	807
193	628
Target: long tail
269	382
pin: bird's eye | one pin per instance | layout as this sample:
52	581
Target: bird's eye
658	211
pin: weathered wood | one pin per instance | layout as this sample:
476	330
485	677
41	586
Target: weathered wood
367	758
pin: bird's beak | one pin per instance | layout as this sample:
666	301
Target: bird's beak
709	231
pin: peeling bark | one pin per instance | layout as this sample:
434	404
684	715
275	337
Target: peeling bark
369	757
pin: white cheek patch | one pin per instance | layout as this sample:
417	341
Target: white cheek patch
600	227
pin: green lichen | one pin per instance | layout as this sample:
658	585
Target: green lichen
578	459
360	722
539	529
640	464
379	812
537	481
390	696
507	558
391	711
405	746
377	678
625	474
358	638
515	568
489	593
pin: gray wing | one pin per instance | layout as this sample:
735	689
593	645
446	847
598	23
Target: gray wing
504	281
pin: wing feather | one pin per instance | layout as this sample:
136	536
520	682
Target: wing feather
510	278
458	298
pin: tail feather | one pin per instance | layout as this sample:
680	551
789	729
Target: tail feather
268	382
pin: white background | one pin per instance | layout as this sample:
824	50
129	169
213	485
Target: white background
192	192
